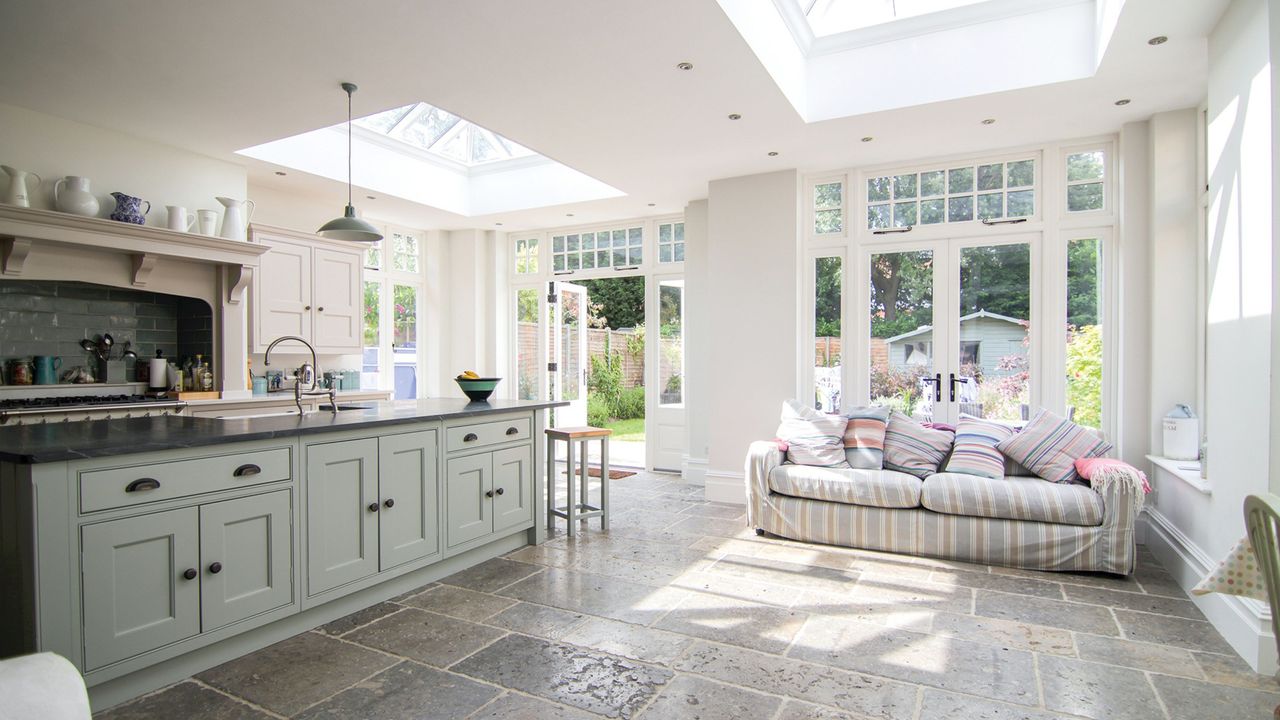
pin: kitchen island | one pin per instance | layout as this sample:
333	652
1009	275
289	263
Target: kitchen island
144	550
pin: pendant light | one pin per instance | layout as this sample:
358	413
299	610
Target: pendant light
349	227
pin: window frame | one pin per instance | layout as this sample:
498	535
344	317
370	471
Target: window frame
811	206
1108	180
388	277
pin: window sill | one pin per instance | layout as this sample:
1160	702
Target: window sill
1187	471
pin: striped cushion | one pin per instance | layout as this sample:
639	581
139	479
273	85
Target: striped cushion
975	451
812	438
864	437
873	488
1013	498
910	447
1050	445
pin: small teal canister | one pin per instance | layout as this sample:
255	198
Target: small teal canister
259	386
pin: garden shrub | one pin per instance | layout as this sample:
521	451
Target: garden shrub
630	404
597	412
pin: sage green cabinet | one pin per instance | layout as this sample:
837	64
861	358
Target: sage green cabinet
408	525
488	492
246	558
136	596
512	487
342	513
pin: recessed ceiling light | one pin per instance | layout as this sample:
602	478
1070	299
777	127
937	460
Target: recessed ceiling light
652	204
1158	40
568	214
684	66
1123	101
371	197
867	139
989	121
773	153
281	173
498	224
735	116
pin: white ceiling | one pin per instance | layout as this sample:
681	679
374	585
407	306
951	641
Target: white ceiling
590	84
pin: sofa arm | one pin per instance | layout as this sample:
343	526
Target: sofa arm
1122	500
762	457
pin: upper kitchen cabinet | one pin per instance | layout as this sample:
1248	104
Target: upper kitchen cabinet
309	287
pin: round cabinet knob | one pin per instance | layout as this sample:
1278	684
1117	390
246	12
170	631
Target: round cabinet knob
499	491
308	307
320	309
389	502
489	494
373	507
190	574
215	568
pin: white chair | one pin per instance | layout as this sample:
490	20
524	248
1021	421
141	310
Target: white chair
45	686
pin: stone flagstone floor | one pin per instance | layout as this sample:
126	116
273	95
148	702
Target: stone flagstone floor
680	611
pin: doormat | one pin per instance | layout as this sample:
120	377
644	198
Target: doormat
613	474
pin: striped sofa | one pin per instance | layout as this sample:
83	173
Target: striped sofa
1018	521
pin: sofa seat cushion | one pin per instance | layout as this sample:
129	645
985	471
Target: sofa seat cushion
872	488
1012	498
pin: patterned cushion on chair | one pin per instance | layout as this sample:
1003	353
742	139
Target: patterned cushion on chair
871	488
1013	498
975	450
913	448
864	437
1050	445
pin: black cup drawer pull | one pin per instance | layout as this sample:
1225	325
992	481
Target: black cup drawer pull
470	437
142	484
246	470
513	431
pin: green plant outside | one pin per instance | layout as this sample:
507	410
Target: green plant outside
629	430
1084	374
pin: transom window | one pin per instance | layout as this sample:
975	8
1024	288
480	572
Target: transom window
526	256
959	194
622	247
828	208
671	242
1086	181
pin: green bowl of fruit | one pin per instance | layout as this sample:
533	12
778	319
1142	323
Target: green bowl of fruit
477	388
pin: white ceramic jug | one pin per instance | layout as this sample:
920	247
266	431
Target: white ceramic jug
19	193
235	221
71	195
179	219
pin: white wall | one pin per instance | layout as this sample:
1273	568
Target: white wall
751	281
1133	423
164	175
698	366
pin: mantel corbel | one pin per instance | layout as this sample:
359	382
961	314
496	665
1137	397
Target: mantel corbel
239	278
13	254
143	264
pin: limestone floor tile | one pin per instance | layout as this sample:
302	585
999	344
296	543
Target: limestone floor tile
866	695
460	603
716	547
796	576
514	706
544	554
710	526
1178	632
796	710
1138	655
1158	604
637	532
648	573
1156	580
596	595
941	705
1004	583
1233	670
426	637
491	575
360	617
1009	633
736	587
723	511
908	593
1042	611
695	698
295	673
642	551
187	700
919	619
593	681
537	620
1103	692
407	690
948	663
641	517
1192	700
813	556
734	621
631	641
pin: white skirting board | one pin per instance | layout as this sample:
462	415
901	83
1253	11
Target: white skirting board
726	487
694	470
1245	623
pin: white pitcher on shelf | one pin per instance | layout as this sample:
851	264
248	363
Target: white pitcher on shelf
235	221
19	194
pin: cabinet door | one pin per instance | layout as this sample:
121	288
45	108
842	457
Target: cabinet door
246	558
342	513
338	323
282	293
512	487
136	597
408	483
468	512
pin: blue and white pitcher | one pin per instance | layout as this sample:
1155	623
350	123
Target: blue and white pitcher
129	209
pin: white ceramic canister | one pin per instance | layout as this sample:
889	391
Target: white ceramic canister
206	221
159	376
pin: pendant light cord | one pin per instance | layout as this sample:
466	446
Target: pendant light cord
348	147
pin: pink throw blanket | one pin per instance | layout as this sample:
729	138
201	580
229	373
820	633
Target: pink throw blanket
1089	468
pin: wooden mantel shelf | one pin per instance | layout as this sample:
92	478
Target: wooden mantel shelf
24	230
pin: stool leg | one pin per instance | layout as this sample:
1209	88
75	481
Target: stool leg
583	476
572	509
551	484
604	483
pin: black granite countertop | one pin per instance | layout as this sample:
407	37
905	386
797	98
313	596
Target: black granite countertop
59	442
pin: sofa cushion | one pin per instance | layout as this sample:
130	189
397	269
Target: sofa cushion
1050	445
872	488
1012	498
864	437
975	450
913	448
812	438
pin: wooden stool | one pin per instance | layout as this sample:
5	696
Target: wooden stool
577	510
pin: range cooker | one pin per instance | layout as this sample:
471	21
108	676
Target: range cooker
68	408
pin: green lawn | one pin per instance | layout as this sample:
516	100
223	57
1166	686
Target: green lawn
627	430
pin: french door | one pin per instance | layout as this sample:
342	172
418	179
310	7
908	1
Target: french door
568	367
665	424
948	327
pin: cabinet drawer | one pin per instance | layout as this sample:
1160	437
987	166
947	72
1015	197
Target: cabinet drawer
138	484
466	437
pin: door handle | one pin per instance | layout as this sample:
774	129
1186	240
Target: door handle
470	437
953	387
142	484
246	470
936	382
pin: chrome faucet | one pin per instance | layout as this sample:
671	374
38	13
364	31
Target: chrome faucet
306	374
